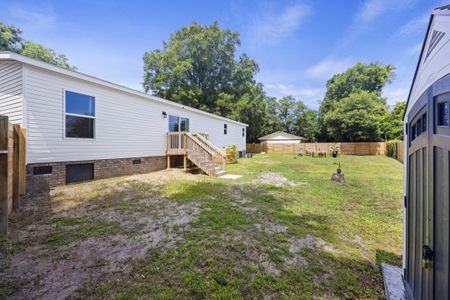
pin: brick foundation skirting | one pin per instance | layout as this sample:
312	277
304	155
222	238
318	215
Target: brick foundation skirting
103	168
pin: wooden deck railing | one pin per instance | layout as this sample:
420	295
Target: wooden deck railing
200	155
176	143
198	149
220	155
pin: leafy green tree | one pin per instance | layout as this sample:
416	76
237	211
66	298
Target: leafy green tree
197	67
251	109
307	125
47	55
392	122
289	109
10	39
361	77
356	118
273	121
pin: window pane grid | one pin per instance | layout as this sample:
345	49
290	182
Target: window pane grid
79	115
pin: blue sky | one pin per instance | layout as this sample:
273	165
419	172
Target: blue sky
297	44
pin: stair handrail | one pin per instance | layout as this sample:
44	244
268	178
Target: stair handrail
211	145
222	156
195	139
197	152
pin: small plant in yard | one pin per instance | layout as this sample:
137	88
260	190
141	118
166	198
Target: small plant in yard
334	150
232	154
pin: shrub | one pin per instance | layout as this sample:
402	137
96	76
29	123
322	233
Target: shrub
391	148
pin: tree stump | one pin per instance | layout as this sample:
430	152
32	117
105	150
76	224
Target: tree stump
338	177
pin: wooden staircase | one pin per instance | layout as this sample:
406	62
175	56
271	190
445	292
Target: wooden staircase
201	152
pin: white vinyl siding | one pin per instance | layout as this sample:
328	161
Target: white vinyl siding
436	65
11	99
126	125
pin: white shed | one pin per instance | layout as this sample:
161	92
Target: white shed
280	137
80	127
426	260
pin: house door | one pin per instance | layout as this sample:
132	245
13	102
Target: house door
178	124
427	213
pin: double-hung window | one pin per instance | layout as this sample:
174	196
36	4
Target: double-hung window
79	115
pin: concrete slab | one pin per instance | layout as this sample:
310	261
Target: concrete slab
230	176
393	282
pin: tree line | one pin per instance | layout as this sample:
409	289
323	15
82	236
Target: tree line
199	66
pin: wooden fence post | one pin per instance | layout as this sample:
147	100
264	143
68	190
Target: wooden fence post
16	166
22	161
4	174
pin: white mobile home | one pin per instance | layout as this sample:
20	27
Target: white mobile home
79	127
427	163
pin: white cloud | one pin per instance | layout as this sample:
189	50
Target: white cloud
414	26
414	50
270	27
372	9
329	67
394	95
30	20
308	95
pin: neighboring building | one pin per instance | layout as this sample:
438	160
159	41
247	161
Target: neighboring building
79	127
280	137
427	164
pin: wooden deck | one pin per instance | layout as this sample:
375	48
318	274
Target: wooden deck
197	149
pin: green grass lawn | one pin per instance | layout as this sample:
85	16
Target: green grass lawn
218	239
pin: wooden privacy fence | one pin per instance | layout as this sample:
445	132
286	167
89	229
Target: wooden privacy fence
12	169
397	152
357	148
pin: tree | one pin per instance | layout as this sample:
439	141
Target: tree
392	122
289	109
251	109
197	67
273	121
307	125
356	118
47	55
10	40
361	77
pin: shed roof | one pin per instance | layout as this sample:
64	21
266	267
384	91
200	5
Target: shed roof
283	134
10	56
443	11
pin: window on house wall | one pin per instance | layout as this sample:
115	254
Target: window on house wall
177	124
424	122
442	113
413	132
79	115
419	126
184	124
225	129
174	124
243	132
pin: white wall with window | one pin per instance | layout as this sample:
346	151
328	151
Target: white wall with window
69	119
79	116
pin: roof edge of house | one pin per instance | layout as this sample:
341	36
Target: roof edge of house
7	55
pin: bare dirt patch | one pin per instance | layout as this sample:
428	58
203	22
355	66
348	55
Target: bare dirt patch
276	179
82	232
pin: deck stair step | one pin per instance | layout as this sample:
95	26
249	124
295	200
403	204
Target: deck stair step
208	157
